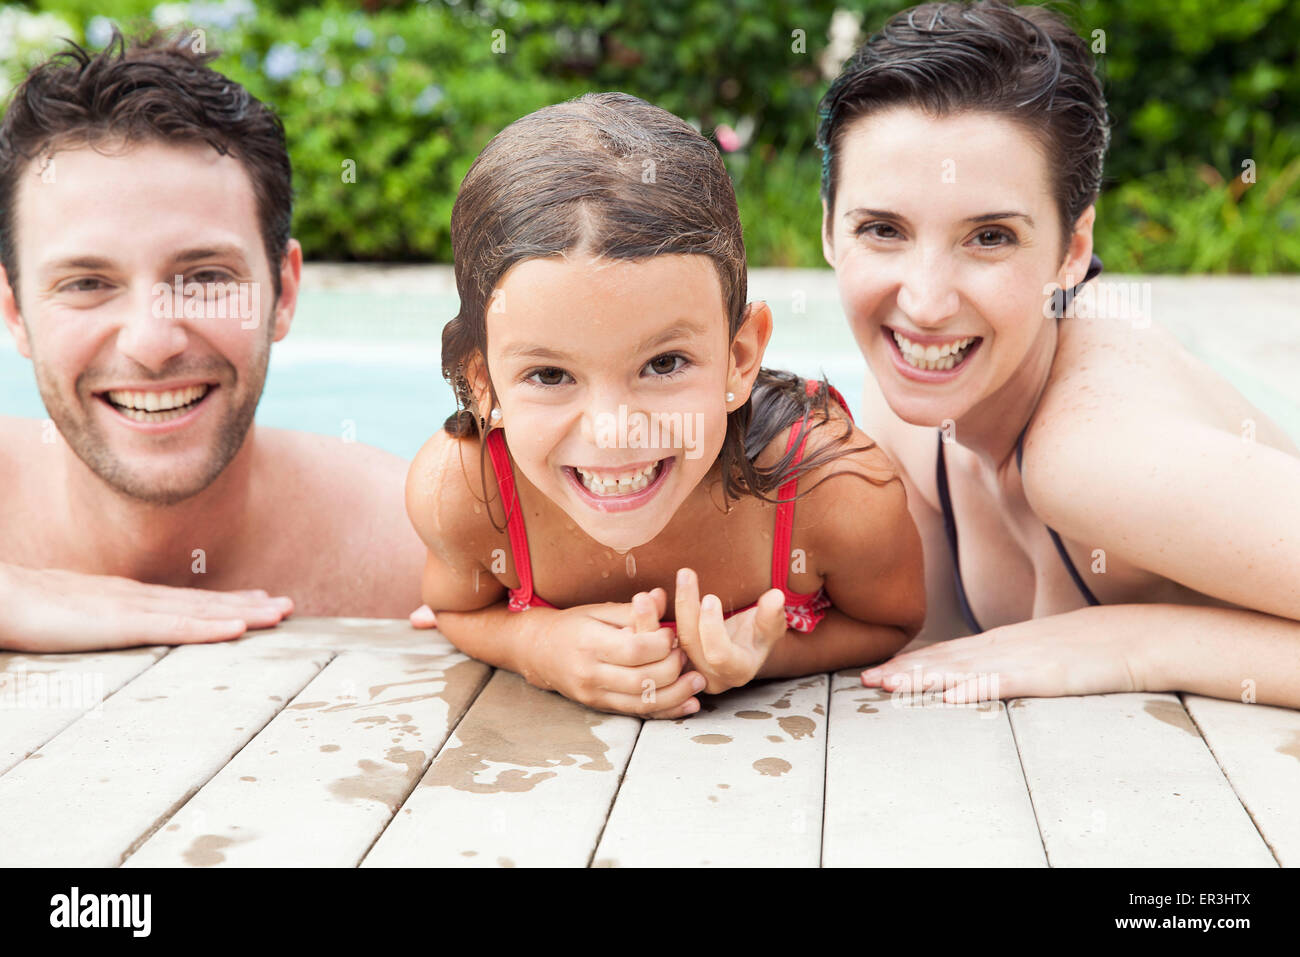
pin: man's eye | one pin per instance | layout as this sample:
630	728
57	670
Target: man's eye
548	376
81	285
666	364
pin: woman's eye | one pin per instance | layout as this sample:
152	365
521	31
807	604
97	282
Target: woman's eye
877	230
994	237
666	365
548	376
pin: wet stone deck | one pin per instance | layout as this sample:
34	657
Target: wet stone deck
348	742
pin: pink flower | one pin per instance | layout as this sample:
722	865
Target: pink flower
727	138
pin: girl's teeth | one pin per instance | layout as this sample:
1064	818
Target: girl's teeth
619	485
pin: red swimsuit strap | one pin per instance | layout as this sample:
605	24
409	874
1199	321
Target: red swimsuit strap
514	513
785	510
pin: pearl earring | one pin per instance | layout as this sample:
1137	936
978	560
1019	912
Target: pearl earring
496	415
731	397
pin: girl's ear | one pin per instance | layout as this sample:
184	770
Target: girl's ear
747	350
480	385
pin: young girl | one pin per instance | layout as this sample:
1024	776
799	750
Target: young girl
619	446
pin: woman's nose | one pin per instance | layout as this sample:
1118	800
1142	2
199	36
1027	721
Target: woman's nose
926	293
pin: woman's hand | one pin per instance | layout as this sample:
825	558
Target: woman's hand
615	657
727	652
1069	654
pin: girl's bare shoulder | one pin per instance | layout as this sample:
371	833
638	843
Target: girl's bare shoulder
452	497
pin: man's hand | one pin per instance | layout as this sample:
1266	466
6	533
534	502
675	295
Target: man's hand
615	657
48	610
727	652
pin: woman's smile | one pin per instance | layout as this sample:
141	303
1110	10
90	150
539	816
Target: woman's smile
929	358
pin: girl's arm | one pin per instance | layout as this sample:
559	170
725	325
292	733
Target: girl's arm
855	530
607	656
838	641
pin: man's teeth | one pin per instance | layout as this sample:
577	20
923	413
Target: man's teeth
623	483
933	357
156	406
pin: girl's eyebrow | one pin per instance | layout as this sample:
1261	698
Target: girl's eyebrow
683	328
981	218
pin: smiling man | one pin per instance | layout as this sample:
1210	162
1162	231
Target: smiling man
145	205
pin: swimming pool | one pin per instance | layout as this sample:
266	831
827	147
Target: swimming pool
362	358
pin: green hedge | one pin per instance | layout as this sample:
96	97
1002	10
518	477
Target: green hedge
410	91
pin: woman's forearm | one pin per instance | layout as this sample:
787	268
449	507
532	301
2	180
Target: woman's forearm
838	641
499	637
1220	652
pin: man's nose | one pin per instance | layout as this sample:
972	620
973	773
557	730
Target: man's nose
152	330
926	292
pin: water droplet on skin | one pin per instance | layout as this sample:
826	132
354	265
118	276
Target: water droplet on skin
631	565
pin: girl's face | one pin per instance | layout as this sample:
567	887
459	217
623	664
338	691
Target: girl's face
944	239
611	378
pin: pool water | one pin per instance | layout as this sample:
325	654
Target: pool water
365	365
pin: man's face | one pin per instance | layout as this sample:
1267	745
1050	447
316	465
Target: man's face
153	390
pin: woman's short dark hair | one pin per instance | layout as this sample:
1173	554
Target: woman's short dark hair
1025	63
157	88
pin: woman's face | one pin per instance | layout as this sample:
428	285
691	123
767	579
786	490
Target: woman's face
944	238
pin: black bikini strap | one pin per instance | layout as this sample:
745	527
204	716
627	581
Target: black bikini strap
950	527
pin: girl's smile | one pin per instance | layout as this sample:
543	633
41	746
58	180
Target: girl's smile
620	490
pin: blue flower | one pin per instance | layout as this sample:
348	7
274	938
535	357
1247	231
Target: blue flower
281	61
363	37
429	97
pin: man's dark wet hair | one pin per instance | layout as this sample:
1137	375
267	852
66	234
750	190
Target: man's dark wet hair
157	88
1024	63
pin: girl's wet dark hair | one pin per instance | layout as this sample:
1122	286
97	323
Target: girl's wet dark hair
612	176
1025	63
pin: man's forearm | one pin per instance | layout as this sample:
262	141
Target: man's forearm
838	641
499	637
1220	652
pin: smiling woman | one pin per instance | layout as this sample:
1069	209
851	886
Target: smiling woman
963	153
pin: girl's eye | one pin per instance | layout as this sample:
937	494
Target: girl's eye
995	237
665	365
549	376
877	231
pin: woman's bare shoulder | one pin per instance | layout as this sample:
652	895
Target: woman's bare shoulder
1111	375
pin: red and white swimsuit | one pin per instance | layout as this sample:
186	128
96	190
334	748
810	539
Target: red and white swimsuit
802	612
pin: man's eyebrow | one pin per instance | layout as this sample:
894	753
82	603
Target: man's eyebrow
683	327
199	253
77	262
185	257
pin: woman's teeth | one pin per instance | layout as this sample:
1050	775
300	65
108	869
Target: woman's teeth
619	483
156	406
933	357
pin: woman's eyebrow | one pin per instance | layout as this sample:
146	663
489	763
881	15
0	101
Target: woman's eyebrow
981	218
1008	214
